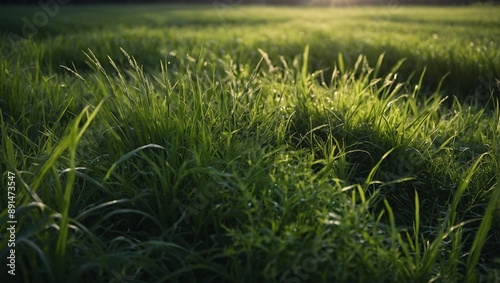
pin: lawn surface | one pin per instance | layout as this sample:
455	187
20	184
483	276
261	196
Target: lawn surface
250	144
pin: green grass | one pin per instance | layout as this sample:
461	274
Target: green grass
253	144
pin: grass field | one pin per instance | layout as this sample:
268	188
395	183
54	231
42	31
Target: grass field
251	144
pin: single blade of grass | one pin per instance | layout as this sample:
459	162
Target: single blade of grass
481	235
126	157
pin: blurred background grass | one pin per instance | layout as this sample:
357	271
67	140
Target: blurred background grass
460	42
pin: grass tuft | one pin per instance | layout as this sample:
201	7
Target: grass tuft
170	151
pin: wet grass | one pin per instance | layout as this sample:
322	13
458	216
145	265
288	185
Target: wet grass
252	144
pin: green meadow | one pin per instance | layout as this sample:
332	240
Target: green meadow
224	143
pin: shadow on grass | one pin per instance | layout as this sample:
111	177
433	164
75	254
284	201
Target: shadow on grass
463	78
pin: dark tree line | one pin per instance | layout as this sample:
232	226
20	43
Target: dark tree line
237	2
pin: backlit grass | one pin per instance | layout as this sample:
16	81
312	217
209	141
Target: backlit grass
253	144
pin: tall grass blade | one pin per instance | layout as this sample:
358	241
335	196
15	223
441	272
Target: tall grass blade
126	157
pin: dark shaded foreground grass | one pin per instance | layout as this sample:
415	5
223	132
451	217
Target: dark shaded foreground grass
214	168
